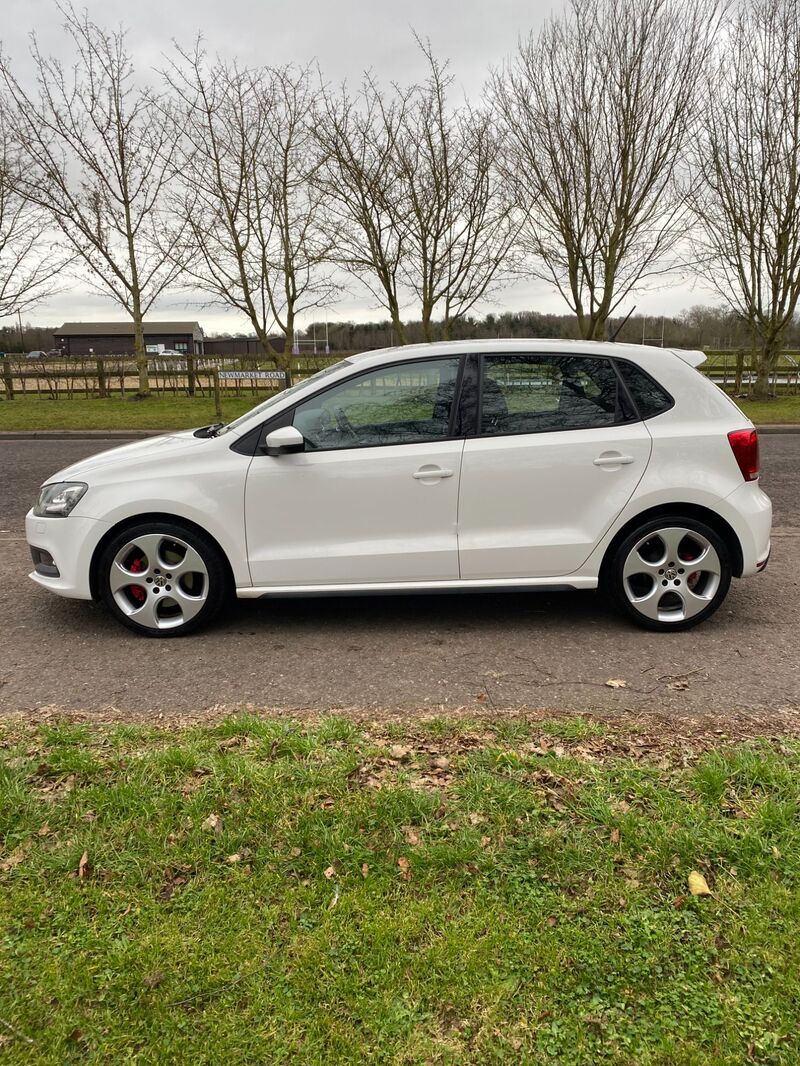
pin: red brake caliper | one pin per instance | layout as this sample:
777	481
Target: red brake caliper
137	592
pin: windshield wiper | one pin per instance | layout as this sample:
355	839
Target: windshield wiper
209	431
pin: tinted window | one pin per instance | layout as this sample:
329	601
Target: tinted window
402	404
529	394
647	394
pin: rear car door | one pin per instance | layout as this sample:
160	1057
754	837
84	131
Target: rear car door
557	453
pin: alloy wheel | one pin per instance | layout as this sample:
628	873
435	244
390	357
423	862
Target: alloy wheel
159	581
671	574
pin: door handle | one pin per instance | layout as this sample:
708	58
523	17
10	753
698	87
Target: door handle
613	460
426	473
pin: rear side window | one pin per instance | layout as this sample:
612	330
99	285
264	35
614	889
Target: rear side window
536	393
650	398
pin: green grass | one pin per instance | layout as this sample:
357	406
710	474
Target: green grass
514	892
784	410
182	412
157	412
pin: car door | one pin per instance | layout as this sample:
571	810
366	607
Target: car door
557	454
374	496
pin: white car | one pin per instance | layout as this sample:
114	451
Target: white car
454	466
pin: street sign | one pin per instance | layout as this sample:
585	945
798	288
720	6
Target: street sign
248	375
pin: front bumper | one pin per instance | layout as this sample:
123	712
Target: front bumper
71	542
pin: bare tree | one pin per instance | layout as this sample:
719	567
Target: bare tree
596	113
421	213
28	262
367	209
250	202
98	158
747	160
461	227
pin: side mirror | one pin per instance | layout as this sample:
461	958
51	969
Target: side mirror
284	441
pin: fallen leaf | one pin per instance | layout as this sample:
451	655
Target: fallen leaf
44	830
552	921
329	872
405	867
476	819
615	836
153	980
485	842
213	823
616	682
398	751
680	685
83	865
14	859
364	869
412	837
441	762
698	886
296	852
776	852
481	698
236	857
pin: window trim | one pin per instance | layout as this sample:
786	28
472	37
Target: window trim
480	435
250	443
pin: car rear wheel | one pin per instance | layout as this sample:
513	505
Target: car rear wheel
672	573
163	579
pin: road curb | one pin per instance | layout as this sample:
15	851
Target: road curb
82	434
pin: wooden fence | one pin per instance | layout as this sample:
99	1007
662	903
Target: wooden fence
107	376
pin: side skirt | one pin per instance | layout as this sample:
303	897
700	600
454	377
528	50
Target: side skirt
410	588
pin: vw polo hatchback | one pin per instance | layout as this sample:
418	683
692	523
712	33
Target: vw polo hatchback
454	466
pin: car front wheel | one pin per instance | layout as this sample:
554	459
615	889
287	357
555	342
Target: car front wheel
671	573
162	579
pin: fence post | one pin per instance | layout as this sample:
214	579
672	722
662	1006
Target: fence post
8	380
190	373
217	397
737	384
101	379
288	374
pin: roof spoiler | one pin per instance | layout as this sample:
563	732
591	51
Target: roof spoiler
693	358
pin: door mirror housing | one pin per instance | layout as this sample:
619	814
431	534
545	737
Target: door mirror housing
284	441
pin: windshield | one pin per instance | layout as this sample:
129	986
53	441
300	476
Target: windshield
273	400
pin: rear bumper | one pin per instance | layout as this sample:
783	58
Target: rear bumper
749	511
71	543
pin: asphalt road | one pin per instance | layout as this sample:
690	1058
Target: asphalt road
399	653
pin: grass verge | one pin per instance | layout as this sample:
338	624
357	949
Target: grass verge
266	890
183	412
157	412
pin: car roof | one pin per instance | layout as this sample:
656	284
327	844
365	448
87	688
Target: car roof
635	352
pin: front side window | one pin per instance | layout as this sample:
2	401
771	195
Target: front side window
403	404
534	393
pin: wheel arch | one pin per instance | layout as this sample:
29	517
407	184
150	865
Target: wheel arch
150	516
689	510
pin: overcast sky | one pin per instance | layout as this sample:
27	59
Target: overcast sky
346	37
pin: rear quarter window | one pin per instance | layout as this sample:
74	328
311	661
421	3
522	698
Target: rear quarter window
650	398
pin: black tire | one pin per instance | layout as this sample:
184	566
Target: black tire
165	539
669	587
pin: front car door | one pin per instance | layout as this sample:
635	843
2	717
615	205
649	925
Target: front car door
374	497
558	452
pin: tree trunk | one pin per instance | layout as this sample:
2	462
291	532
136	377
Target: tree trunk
139	349
765	361
398	326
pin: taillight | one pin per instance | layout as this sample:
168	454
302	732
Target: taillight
744	444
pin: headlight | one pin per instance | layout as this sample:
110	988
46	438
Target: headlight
56	501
